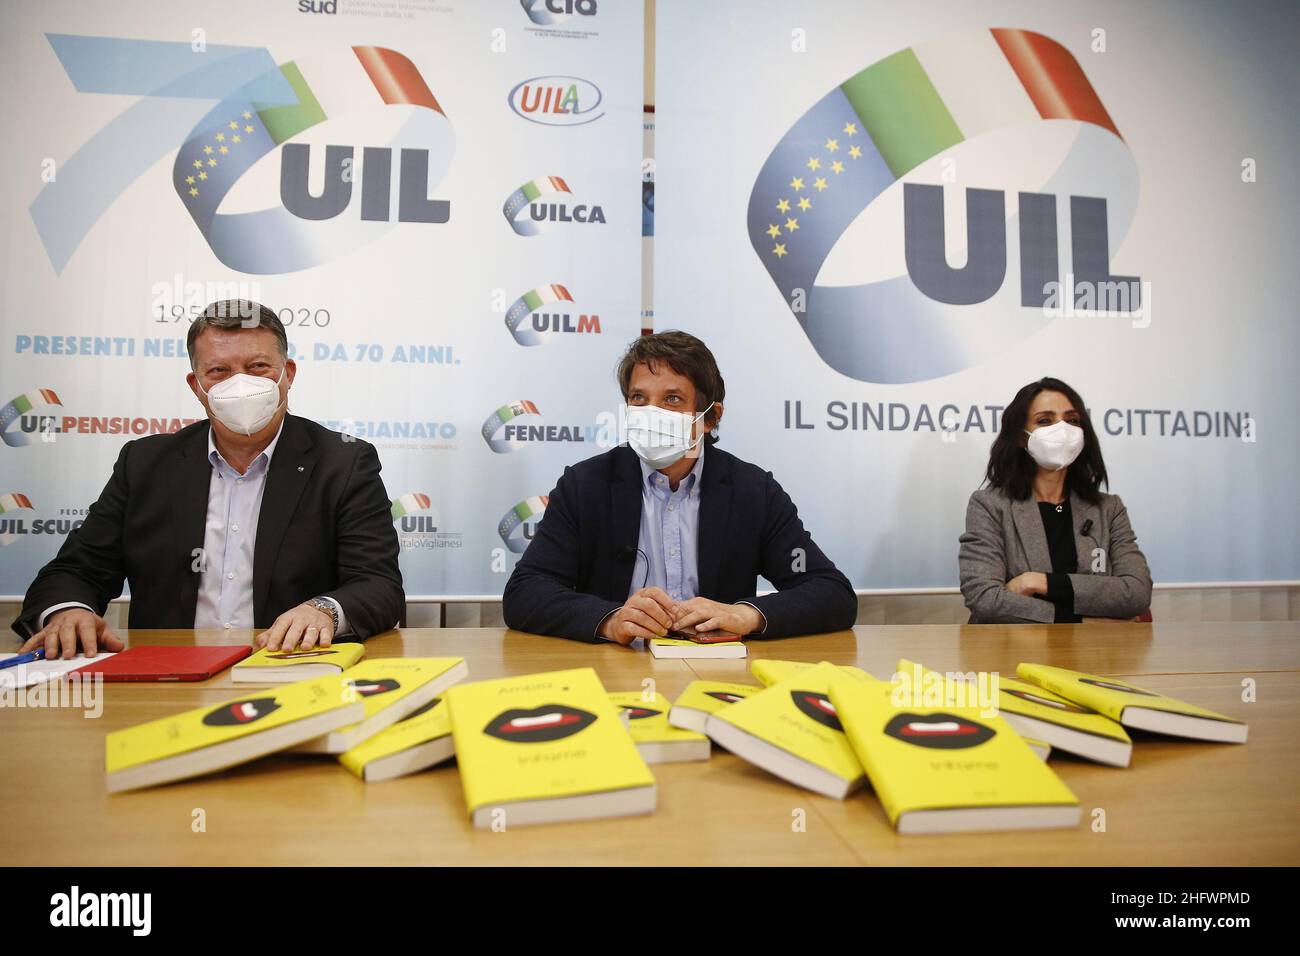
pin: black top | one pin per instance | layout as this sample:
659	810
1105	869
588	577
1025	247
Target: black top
1059	527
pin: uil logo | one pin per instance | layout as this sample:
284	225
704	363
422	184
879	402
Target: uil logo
847	213
367	108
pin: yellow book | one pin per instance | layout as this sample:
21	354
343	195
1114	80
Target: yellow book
671	648
656	739
791	730
768	672
1134	707
949	769
1040	714
214	737
691	709
1041	748
286	667
390	688
543	748
409	746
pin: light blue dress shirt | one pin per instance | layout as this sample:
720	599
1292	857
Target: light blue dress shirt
669	535
668	540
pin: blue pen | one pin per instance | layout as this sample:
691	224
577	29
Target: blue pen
23	659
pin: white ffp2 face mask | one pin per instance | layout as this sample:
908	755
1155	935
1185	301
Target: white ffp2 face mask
1055	446
660	437
245	403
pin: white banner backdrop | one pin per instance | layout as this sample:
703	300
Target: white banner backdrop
886	218
440	198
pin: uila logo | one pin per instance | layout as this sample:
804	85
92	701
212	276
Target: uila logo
557	100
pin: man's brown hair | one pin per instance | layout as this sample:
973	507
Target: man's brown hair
685	355
237	314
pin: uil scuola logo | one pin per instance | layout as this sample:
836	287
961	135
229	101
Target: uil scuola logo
872	163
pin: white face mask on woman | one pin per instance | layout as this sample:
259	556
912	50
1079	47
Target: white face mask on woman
1055	446
661	437
245	403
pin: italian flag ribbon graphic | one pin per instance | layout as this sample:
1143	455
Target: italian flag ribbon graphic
516	205
868	133
494	422
13	501
410	502
19	406
526	305
240	130
510	527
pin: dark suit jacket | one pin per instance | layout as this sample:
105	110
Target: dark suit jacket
579	565
324	529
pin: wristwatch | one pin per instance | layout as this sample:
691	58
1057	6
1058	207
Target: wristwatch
320	604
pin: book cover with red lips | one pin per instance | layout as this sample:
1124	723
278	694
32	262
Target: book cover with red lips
692	707
657	739
1034	713
1136	707
791	730
948	769
217	736
545	748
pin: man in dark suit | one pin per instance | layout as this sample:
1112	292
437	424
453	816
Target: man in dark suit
660	534
253	518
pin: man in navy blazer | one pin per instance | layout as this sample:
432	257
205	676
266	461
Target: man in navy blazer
669	531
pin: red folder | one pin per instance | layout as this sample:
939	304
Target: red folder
148	662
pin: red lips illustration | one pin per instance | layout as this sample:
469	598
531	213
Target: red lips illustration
818	707
1058	704
640	713
548	722
241	712
725	696
1112	686
369	688
942	731
423	708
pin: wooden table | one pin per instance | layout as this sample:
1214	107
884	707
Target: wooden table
1179	803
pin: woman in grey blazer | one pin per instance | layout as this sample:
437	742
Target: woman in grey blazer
1042	543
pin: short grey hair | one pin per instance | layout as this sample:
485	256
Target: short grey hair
237	314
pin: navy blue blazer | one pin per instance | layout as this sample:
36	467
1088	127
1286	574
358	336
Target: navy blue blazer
579	564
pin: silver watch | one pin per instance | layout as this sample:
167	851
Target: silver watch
320	604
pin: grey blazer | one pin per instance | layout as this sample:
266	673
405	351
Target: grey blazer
1005	538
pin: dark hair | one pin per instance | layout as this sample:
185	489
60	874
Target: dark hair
685	355
1012	469
237	314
